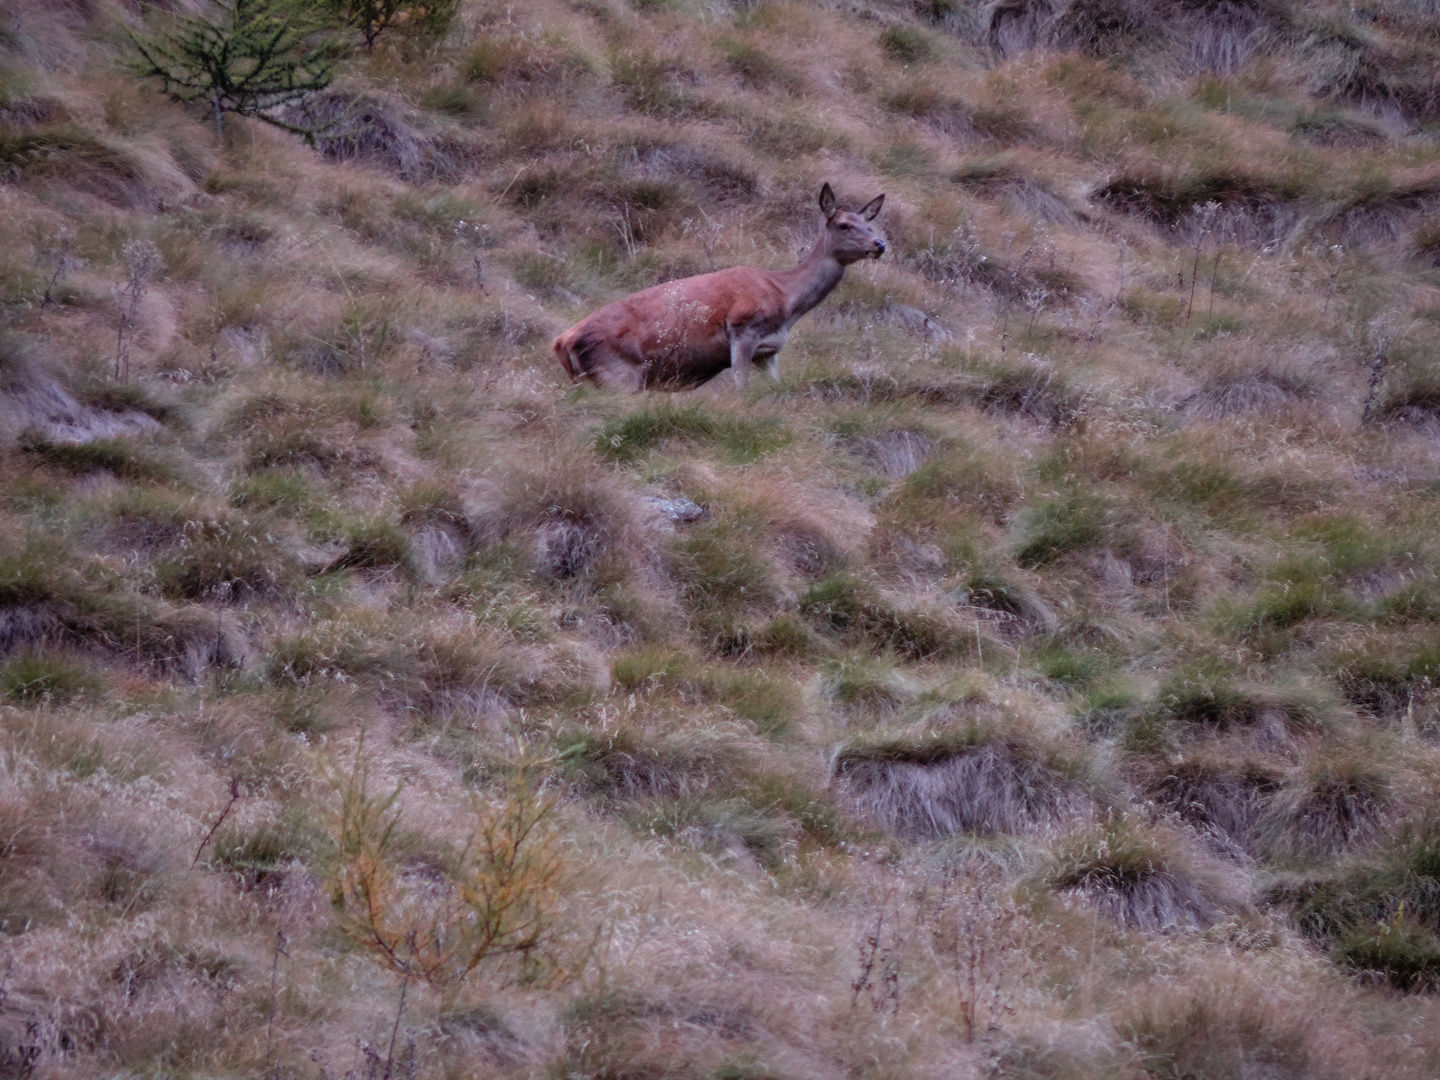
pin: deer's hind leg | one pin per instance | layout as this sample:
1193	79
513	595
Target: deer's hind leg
613	369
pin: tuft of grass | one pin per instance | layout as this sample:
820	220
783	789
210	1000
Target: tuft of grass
1206	696
1013	604
1253	208
228	559
1224	1023
1339	800
1223	801
722	580
1139	877
759	68
844	606
724	826
907	44
971	780
370	544
1402	952
1398	879
119	457
865	681
628	438
579	526
260	854
47	600
283	490
1056	527
33	678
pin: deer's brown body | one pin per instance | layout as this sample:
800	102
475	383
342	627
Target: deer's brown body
684	333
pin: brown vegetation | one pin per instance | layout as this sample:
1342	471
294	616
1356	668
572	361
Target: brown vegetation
1039	680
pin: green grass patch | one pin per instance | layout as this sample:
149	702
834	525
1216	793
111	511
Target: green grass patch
844	606
119	457
907	44
33	678
1056	527
628	438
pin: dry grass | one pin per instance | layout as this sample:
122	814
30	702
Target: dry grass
1038	680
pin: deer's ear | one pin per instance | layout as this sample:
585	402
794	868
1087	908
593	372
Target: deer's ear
872	208
827	202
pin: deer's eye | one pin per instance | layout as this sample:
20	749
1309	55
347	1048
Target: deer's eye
847	226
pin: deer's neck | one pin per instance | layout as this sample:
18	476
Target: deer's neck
810	282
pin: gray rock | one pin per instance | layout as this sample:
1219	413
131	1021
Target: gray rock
677	509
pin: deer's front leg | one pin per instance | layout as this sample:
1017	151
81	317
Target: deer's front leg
742	355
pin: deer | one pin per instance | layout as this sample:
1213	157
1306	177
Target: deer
683	333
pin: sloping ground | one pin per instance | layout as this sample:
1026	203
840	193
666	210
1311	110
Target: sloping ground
1039	680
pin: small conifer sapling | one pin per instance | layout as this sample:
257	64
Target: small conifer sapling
247	57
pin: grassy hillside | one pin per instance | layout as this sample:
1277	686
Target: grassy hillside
1041	680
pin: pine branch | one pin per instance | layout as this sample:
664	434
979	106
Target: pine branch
252	58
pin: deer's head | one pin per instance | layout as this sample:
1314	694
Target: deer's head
851	237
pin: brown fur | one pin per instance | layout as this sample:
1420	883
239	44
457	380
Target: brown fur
683	333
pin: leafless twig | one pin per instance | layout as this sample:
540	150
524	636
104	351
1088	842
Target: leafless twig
234	798
145	264
64	263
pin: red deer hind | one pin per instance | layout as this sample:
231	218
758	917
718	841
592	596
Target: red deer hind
683	333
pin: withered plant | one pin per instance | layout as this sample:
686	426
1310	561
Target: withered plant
487	899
